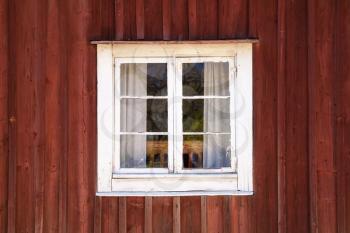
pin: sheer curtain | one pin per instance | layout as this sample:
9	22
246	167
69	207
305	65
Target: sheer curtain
133	115
216	115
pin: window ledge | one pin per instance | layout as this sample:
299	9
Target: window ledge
177	193
175	176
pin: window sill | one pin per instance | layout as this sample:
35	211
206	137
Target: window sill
174	185
177	193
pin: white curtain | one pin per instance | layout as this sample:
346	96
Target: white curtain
216	115
133	115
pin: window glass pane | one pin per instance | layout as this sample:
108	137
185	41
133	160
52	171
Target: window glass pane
206	115
206	151
141	115
208	79
193	79
142	79
157	115
192	111
133	115
143	151
157	79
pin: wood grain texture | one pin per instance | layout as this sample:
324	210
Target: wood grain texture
135	214
81	69
48	109
341	90
4	120
179	19
296	134
162	208
140	19
263	24
321	18
190	214
55	118
153	20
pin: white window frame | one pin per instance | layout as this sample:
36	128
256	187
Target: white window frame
115	181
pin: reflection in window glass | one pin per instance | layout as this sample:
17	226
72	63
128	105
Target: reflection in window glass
208	79
157	115
206	151
193	80
144	151
142	79
206	115
157	79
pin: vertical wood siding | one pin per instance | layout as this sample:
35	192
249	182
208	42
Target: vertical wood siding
48	115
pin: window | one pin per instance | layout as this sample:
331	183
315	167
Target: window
174	118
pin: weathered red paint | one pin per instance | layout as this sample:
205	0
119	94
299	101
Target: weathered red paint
48	109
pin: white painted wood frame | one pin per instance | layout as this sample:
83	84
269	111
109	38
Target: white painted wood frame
174	181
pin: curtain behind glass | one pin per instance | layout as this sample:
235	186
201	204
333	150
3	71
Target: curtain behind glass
133	115
216	115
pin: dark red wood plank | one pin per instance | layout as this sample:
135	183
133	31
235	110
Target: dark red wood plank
166	19
140	19
103	20
261	209
27	114
179	20
296	107
153	20
109	215
55	117
207	19
81	73
119	19
281	117
192	19
233	18
129	19
215	218
162	214
321	16
191	215
135	214
4	120
342	114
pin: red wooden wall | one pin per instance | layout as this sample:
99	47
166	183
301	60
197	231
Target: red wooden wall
301	115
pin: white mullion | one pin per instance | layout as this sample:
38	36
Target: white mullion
116	115
232	81
178	117
143	97
154	170
207	170
170	90
205	133
143	133
206	97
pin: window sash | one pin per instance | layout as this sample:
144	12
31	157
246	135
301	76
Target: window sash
116	113
175	132
178	160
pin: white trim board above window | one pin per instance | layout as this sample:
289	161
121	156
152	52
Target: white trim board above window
174	118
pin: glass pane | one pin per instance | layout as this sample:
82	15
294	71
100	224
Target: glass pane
206	151
142	79
143	151
157	79
157	115
209	78
192	111
193	79
141	115
206	115
133	115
